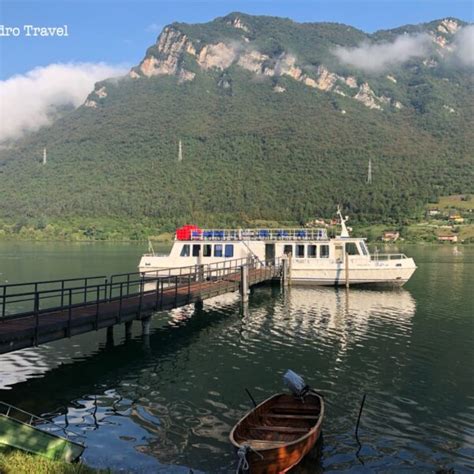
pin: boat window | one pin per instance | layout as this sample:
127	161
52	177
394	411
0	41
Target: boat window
207	252
363	248
185	251
218	250
324	251
229	250
300	251
351	248
287	249
196	250
312	251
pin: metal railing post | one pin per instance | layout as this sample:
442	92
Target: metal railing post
120	303
69	314
85	290
176	291
97	308
62	293
36	310
157	293
110	287
4	302
189	287
161	295
140	298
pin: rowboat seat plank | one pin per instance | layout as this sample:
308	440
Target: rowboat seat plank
279	429
299	407
290	417
264	444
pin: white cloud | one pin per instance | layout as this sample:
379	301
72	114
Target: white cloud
29	101
464	45
381	56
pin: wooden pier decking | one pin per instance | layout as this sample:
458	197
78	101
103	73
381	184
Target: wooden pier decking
39	312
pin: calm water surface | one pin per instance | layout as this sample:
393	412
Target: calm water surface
168	403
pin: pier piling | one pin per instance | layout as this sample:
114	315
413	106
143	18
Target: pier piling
244	283
347	270
146	326
199	305
285	275
128	330
110	337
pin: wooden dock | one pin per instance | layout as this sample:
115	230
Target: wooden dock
39	312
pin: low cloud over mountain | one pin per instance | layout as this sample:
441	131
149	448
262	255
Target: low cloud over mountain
31	101
380	57
464	43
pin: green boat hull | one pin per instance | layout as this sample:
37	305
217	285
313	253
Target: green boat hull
28	438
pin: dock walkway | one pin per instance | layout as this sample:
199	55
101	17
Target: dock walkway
35	313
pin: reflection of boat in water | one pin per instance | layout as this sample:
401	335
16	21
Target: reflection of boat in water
456	251
314	258
346	316
361	304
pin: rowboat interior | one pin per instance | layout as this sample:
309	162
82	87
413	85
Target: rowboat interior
282	420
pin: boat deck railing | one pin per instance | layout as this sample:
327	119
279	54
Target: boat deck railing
259	234
388	256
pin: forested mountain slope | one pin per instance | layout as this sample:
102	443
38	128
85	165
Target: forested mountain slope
277	121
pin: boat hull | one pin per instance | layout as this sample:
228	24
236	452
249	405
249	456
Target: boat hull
387	277
276	449
15	434
380	277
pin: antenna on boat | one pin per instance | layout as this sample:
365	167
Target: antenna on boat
344	231
150	248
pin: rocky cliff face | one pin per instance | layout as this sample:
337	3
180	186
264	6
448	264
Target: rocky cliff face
174	49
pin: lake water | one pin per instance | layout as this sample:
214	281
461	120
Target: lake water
168	404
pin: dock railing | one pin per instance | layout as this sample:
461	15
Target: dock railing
36	298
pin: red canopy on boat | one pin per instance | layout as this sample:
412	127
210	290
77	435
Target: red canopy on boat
188	231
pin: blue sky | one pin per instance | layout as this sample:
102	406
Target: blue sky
119	31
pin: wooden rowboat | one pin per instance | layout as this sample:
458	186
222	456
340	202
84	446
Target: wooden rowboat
279	432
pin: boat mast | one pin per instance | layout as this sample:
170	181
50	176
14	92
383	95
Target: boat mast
344	231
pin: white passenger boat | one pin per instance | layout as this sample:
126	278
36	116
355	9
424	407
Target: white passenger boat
313	257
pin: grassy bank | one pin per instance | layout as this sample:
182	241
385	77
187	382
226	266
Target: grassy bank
18	462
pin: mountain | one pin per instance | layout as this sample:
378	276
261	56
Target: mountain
277	121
